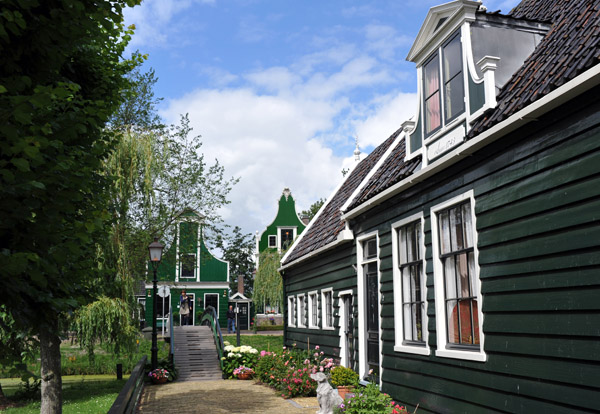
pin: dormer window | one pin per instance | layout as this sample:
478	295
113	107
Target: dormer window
452	92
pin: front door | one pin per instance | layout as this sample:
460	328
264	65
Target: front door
243	315
372	318
347	330
212	299
191	318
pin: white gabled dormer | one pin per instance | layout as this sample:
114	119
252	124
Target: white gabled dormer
463	56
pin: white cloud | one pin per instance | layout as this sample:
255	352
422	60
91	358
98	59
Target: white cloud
153	17
384	40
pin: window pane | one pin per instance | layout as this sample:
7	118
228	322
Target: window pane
415	284
370	249
406	285
449	276
475	322
454	101
468	224
456	229
452	59
445	233
432	113
432	77
407	322
463	275
452	317
466	334
402	245
418	318
418	240
410	243
472	276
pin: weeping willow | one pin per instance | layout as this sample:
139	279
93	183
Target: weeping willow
106	320
268	284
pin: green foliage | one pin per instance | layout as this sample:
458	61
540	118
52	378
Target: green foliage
342	376
289	371
369	400
234	357
269	328
238	249
268	284
314	208
260	342
105	321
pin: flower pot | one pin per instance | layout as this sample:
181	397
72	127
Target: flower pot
343	390
244	376
159	380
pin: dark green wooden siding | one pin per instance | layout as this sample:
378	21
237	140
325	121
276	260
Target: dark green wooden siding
537	199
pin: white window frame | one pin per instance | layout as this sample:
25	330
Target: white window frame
301	301
195	274
274	244
362	328
280	240
326	325
438	272
218	301
313	297
399	345
292	311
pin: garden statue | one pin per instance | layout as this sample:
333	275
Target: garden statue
328	397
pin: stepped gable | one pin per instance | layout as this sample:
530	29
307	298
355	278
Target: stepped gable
571	46
392	170
329	224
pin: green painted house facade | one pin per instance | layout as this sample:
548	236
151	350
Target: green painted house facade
460	260
188	265
279	235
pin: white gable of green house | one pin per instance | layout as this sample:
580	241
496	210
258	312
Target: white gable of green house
284	229
187	264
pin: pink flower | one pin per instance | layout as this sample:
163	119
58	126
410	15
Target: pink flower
317	347
321	368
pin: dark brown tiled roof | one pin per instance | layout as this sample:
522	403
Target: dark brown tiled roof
392	170
571	46
329	223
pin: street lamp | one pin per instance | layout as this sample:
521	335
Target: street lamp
155	249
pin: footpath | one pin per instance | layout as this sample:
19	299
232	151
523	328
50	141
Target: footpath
223	396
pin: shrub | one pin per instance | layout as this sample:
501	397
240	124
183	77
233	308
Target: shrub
370	401
342	376
235	356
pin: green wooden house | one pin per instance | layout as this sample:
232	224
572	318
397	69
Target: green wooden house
460	260
188	265
279	235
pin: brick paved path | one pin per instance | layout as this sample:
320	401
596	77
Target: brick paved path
217	397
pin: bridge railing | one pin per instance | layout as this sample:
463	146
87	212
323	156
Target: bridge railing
126	401
209	317
171	333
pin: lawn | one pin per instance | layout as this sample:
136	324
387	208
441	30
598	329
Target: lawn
86	395
260	342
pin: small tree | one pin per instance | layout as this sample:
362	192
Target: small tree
238	249
314	209
268	284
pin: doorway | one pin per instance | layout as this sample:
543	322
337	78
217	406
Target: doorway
243	315
212	299
346	330
192	318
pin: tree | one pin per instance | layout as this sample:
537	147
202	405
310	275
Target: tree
238	249
60	80
268	284
314	208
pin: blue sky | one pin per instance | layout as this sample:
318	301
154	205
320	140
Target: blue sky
279	89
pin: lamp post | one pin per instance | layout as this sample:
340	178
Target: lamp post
155	249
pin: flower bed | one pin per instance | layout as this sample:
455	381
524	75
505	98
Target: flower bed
289	371
237	356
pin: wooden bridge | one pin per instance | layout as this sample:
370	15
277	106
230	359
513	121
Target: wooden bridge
195	354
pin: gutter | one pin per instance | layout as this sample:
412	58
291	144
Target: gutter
559	96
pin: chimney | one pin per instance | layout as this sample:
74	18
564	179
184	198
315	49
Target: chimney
241	284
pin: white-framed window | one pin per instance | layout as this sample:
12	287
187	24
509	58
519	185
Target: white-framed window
286	237
458	304
410	295
302	311
187	266
327	308
292	311
443	85
313	310
272	241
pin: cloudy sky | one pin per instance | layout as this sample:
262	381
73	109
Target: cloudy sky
279	89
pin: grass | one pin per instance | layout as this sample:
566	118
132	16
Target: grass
81	395
260	342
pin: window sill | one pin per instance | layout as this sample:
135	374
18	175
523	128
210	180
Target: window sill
466	355
328	328
444	130
419	350
314	327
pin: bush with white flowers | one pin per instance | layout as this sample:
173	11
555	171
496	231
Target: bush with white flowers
236	356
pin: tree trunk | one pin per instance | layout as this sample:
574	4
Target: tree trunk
51	378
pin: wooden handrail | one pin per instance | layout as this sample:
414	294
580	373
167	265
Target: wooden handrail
127	399
209	317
